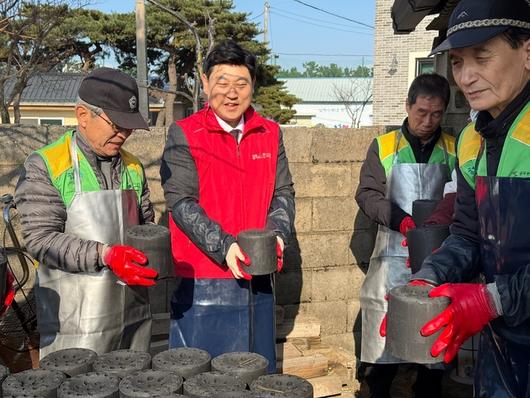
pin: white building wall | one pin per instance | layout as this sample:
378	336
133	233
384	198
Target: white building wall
330	115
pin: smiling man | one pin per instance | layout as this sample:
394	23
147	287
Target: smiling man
76	197
401	166
224	170
489	47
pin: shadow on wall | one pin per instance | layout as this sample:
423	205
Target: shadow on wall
361	245
289	284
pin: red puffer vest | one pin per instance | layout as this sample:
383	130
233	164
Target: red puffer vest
236	183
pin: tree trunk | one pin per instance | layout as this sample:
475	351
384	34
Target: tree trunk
4	114
170	97
161	118
16	108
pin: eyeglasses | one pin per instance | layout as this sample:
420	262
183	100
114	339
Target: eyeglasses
116	129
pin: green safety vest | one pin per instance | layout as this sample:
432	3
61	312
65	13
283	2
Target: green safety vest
515	155
59	163
387	150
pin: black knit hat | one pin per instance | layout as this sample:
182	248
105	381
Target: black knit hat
477	21
117	94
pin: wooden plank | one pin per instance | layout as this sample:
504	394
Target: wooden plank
326	386
300	327
287	350
346	375
306	366
342	356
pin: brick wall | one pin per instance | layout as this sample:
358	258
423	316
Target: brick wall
391	64
325	262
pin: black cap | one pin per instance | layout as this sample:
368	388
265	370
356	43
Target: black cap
117	94
476	21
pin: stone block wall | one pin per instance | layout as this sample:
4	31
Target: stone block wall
327	258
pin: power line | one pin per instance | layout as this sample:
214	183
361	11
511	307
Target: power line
312	19
335	15
319	25
325	55
256	17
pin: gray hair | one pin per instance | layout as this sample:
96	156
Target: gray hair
92	108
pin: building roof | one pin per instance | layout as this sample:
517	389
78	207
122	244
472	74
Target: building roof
329	89
53	89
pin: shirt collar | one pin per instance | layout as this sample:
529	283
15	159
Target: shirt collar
226	127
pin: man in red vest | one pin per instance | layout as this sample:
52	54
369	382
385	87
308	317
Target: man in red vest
224	170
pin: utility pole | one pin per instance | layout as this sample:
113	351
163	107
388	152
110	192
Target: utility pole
141	60
266	38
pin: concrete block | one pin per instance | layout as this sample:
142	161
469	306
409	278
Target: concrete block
304	211
324	249
293	310
333	214
332	316
342	340
342	145
334	283
297	142
322	180
293	287
353	312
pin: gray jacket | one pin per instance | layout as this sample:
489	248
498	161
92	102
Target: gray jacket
43	213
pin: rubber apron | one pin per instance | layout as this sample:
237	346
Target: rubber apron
406	183
503	361
225	315
93	310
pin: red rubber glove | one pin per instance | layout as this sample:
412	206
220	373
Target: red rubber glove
121	260
470	310
10	292
417	282
279	254
406	225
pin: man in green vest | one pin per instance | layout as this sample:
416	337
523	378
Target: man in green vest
76	197
413	162
489	48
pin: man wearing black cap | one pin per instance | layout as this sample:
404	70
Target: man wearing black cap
489	48
76	197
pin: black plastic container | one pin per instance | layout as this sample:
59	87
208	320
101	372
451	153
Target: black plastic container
90	385
422	209
184	361
260	246
155	242
422	241
72	361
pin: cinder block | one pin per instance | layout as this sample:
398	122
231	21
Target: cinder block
324	249
342	145
334	283
332	316
303	219
297	142
322	180
334	214
293	287
353	322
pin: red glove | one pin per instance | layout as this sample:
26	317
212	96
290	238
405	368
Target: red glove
279	255
10	292
121	260
470	310
406	224
417	282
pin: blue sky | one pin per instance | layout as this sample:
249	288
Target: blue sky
301	33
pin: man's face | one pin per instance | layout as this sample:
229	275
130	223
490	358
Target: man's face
425	116
491	74
229	91
104	137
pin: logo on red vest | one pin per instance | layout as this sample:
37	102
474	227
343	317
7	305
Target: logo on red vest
263	155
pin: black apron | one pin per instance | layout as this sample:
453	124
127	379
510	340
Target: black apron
503	361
